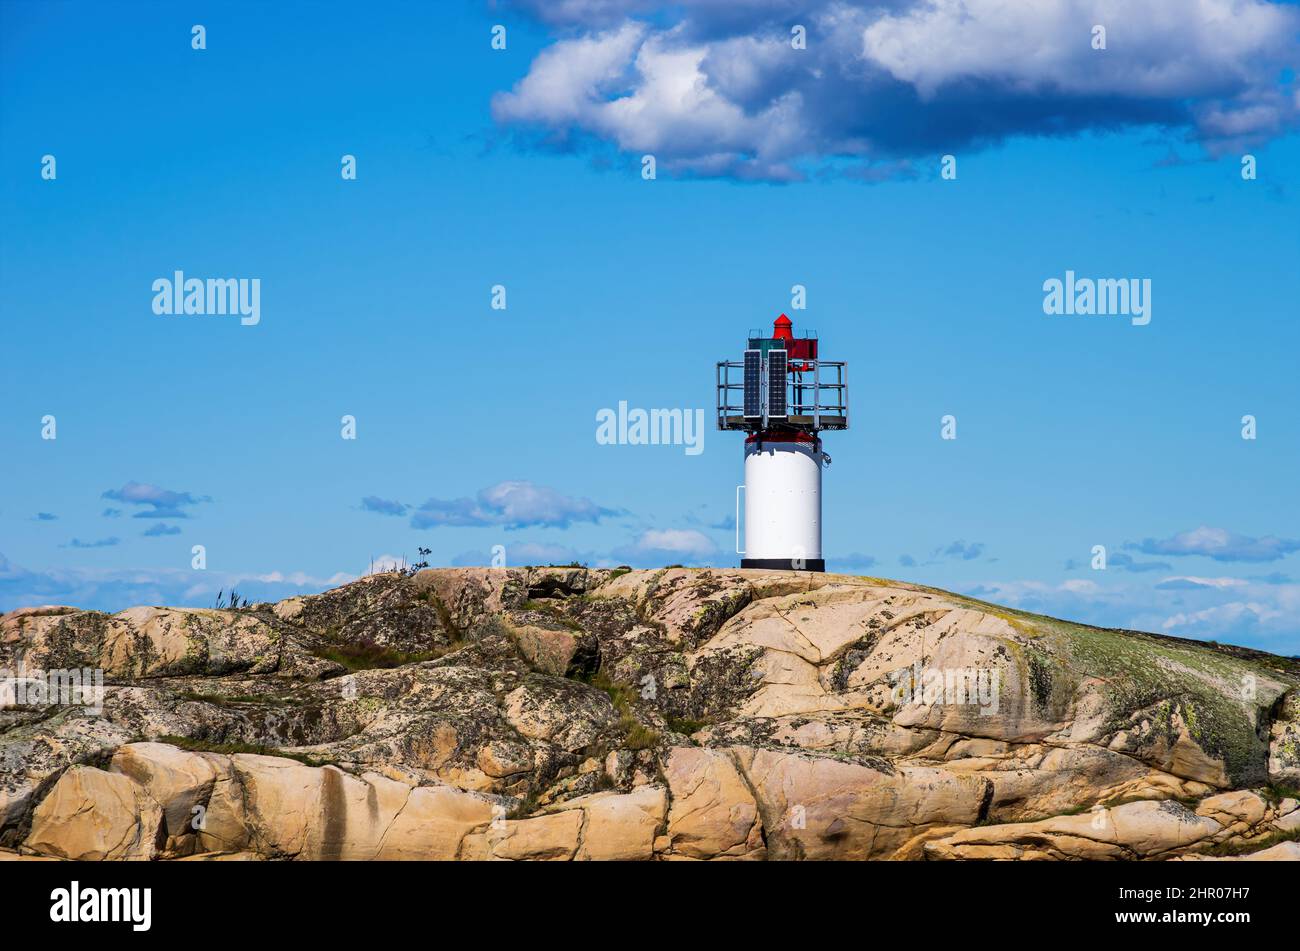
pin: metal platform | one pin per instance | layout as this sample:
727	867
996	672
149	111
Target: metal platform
816	395
809	423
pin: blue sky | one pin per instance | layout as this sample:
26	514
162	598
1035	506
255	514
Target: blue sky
478	167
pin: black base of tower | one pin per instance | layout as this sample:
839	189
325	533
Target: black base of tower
784	564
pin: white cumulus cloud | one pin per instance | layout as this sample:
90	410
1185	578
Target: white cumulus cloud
713	88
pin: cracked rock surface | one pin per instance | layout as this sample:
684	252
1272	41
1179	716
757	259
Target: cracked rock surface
678	714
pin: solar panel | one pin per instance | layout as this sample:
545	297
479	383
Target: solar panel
753	384
776	379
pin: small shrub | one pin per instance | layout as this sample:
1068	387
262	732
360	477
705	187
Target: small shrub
233	602
412	568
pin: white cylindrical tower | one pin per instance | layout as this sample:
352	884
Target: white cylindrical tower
783	502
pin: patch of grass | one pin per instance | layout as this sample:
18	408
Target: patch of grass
1254	845
636	736
1276	792
526	806
1072	811
1125	800
444	615
619	572
619	694
223	700
686	725
552	611
367	655
228	749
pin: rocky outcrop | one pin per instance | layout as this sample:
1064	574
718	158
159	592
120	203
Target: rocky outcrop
1136	830
682	714
92	815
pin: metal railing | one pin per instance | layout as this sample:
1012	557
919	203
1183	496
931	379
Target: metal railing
817	393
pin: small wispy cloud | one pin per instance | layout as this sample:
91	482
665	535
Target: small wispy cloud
1129	563
1244	618
100	543
1120	562
1218	544
509	505
162	528
652	548
664	546
854	561
45	517
155	501
1189	583
959	550
373	503
527	553
963	551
